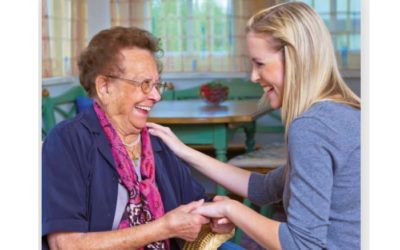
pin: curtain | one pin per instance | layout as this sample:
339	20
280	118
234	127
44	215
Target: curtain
64	35
79	31
46	60
196	36
130	13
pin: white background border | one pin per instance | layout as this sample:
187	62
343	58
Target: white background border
382	79
19	131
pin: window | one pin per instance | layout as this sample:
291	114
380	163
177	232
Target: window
196	35
342	18
205	36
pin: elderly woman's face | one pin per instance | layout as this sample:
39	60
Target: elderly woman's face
130	105
267	67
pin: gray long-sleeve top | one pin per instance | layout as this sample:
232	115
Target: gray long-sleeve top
321	191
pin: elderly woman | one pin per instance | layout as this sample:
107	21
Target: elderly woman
294	62
108	184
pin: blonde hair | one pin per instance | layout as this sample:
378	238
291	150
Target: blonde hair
311	70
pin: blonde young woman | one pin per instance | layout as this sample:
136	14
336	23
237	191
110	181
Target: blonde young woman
293	60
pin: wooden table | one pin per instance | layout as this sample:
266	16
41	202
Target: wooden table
196	122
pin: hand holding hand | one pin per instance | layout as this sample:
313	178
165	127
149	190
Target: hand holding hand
184	224
216	209
221	225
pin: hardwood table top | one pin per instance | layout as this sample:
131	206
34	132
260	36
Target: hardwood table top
197	111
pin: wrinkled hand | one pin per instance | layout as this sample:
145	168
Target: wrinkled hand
183	224
167	136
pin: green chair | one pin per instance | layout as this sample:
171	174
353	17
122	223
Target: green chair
169	92
186	94
239	89
62	106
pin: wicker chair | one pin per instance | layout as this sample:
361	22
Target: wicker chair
208	240
263	160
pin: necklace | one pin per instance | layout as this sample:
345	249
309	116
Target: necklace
130	145
134	149
135	155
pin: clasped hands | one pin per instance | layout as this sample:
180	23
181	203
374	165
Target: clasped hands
185	222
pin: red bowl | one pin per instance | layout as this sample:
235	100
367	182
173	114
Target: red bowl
214	95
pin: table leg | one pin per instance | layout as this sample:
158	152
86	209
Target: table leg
220	146
250	130
221	155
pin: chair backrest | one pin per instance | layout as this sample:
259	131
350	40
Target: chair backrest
238	89
243	89
189	93
63	106
169	92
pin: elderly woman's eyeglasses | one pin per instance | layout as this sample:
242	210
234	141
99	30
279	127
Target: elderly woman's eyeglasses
146	85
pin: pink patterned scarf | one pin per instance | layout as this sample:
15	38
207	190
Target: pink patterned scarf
144	203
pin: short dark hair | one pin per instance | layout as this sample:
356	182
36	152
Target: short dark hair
102	55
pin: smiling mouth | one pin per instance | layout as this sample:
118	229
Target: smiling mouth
268	89
146	108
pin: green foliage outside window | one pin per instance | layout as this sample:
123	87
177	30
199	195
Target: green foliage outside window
192	26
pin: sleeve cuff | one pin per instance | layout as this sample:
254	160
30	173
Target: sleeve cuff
64	226
256	180
285	237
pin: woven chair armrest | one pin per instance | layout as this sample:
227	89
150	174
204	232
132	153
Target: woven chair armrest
208	240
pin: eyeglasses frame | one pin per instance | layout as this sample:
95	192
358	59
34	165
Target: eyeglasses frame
162	84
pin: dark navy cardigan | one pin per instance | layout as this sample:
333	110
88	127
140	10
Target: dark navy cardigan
80	183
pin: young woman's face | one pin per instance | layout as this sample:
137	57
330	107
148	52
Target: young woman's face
267	66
